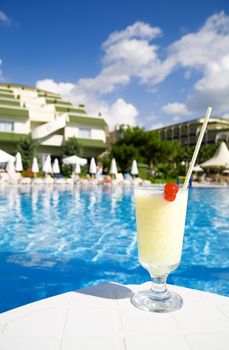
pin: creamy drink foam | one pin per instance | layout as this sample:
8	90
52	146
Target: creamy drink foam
160	226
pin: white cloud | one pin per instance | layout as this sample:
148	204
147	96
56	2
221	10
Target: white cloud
59	88
157	126
137	30
175	108
127	54
131	54
216	76
196	50
208	52
105	82
4	18
121	112
134	51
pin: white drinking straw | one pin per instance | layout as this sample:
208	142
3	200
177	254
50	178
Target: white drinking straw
195	154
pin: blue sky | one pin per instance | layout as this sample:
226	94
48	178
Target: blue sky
148	63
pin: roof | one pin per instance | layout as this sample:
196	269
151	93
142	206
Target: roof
91	143
10	85
84	120
198	121
14	111
11	137
220	158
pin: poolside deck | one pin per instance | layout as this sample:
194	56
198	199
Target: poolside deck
103	318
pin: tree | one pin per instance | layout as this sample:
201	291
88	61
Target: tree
163	156
128	147
28	149
124	154
71	147
151	150
144	146
207	151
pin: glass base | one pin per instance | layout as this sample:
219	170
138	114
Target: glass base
148	301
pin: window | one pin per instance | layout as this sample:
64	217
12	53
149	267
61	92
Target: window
6	126
85	133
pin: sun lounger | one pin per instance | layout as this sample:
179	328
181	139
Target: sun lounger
37	181
60	181
4	178
127	182
137	181
25	181
69	181
119	177
48	180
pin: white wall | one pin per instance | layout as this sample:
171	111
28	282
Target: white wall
71	131
24	93
96	134
22	127
54	140
41	116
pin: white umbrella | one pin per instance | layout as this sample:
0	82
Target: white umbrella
92	167
47	166
18	165
113	168
219	159
134	168
55	167
35	167
77	169
5	157
197	168
75	160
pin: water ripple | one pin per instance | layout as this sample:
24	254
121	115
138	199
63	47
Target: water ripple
63	239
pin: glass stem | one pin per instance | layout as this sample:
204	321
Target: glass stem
158	287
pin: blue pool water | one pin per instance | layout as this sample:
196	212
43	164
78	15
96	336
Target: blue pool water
53	241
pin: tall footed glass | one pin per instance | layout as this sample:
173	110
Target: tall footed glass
160	231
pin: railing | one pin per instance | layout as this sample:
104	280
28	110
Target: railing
48	128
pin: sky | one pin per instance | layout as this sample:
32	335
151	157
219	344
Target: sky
149	63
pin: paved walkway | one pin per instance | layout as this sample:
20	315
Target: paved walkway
103	318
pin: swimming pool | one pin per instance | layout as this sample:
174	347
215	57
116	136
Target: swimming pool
54	240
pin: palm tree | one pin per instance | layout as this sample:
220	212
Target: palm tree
71	147
28	149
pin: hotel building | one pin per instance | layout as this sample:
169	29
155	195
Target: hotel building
187	132
49	119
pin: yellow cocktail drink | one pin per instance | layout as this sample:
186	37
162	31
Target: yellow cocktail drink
160	227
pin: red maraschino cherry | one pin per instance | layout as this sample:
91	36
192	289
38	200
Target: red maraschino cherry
170	191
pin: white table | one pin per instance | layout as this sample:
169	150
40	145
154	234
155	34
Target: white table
103	318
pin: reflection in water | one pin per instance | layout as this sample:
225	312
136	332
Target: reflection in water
92	201
63	225
46	197
55	198
34	195
90	232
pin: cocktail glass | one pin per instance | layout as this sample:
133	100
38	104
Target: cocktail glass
160	231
